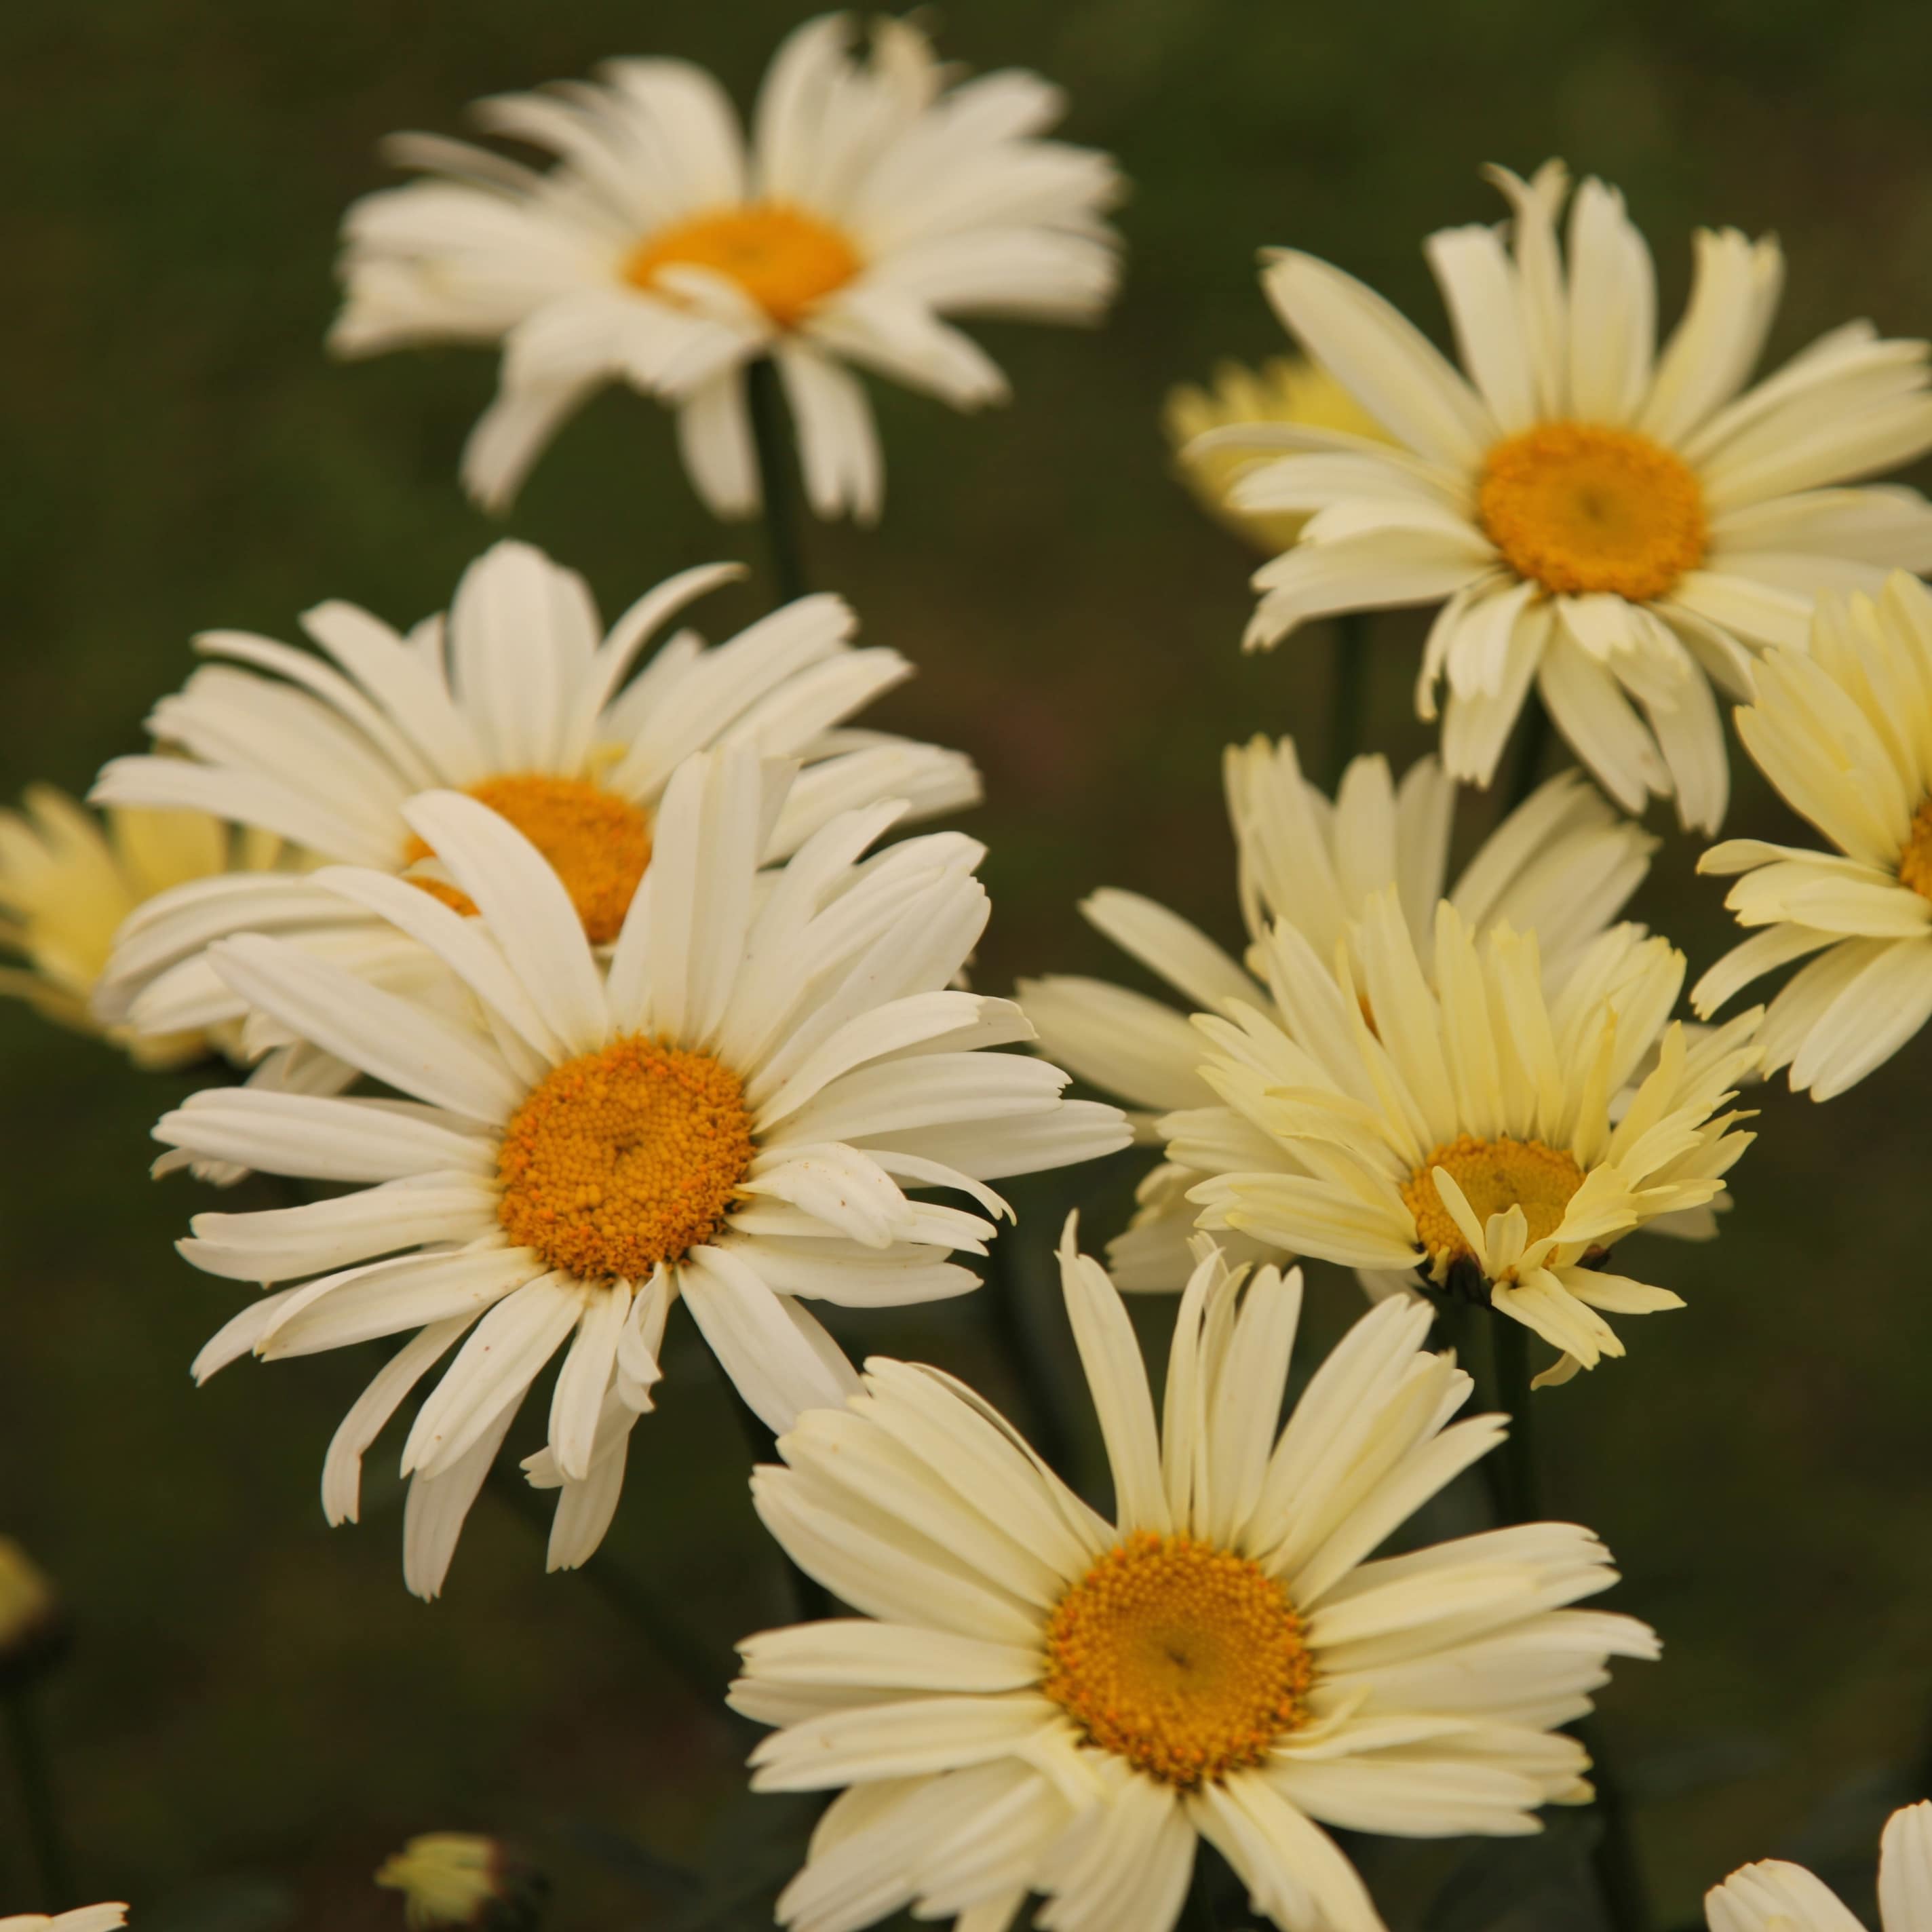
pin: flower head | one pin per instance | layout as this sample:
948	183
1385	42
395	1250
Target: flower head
1617	524
1037	1698
33	1628
69	880
1845	732
1284	389
1775	1897
1456	1118
1561	865
520	699
728	1111
872	201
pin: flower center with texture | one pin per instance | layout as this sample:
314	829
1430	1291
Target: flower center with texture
598	844
1578	508
786	260
1185	1660
1495	1176
624	1158
1914	861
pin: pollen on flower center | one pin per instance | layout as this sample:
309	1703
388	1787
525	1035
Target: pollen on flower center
1915	861
1495	1176
624	1158
1184	1659
1578	508
785	260
598	844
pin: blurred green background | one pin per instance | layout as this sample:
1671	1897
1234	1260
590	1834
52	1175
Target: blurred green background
255	1700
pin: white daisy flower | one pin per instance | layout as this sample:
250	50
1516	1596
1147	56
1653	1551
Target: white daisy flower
1456	1117
1617	524
1775	1897
1561	865
518	698
85	1918
1846	734
1036	1699
70	879
872	201
728	1114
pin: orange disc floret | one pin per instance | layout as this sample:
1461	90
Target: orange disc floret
1495	1176
1185	1659
598	844
1578	507
624	1158
786	260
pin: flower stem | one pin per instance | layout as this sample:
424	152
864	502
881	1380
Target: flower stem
40	1802
810	1598
1349	694
1619	1870
1017	1341
688	1657
1521	1499
776	478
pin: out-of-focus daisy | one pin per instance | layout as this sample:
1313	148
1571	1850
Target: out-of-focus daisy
85	1918
68	880
1037	1699
1561	865
34	1626
729	1113
1619	524
1775	1897
872	201
1284	389
1455	1117
454	1879
1846	734
521	700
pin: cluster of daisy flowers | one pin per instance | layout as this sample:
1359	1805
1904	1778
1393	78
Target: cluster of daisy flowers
568	980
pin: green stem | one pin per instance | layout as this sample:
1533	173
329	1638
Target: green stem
1349	694
689	1657
810	1598
39	1803
1534	743
1521	1490
1016	1341
777	474
1619	1871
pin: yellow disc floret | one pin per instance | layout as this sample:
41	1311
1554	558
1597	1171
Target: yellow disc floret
786	260
1578	508
1495	1176
1914	861
598	844
1186	1659
624	1158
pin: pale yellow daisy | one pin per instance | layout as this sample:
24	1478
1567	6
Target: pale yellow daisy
1617	524
1285	388
1037	1699
1776	1897
1845	733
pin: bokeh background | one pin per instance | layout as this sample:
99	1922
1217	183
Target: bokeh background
256	1711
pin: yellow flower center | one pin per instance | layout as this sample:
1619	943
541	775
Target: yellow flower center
1495	1176
624	1158
1914	863
1185	1660
598	844
1577	507
786	260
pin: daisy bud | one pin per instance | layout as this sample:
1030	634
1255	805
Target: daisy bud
33	1628
463	1879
